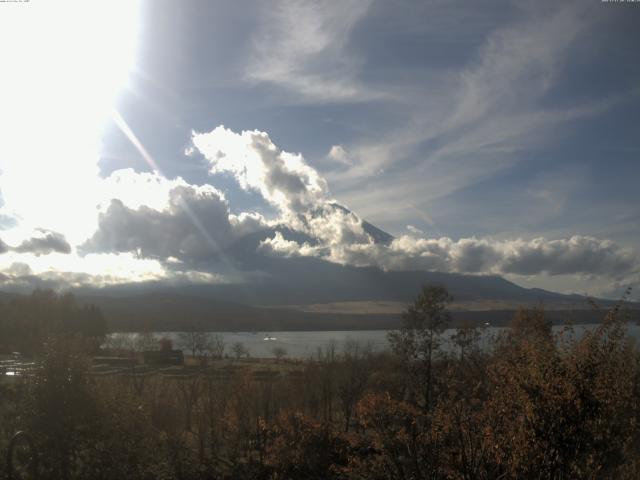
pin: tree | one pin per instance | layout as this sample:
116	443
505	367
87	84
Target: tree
562	407
192	341
279	352
353	375
466	339
216	346
419	337
239	350
60	405
147	340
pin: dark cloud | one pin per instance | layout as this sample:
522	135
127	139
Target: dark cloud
3	247
195	225
48	242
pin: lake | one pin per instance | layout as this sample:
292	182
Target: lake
306	344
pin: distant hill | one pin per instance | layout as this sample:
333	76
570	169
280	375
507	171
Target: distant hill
166	310
312	280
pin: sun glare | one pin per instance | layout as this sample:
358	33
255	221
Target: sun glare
64	63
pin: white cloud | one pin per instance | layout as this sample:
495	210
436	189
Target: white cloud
278	245
474	119
414	230
60	271
517	64
338	235
135	189
301	47
283	179
579	255
338	154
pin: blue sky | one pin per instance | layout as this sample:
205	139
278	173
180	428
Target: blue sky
499	121
495	119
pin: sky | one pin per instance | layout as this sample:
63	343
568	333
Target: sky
140	141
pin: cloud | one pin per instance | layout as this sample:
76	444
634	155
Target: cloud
7	221
338	154
283	179
45	243
278	245
338	235
302	47
3	247
196	224
476	118
579	255
103	270
517	64
414	230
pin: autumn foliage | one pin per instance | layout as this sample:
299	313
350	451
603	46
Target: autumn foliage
534	402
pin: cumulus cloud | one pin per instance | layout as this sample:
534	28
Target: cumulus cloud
339	154
581	255
278	245
195	224
283	179
44	243
180	227
299	192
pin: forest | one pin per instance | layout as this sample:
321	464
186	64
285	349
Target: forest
535	404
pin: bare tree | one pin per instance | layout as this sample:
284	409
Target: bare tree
216	345
353	375
279	352
239	350
327	360
195	341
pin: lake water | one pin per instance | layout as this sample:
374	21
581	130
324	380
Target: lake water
306	344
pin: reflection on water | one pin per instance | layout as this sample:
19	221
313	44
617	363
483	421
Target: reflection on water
306	344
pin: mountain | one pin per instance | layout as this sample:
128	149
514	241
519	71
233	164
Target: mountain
308	293
276	281
169	311
378	236
306	280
